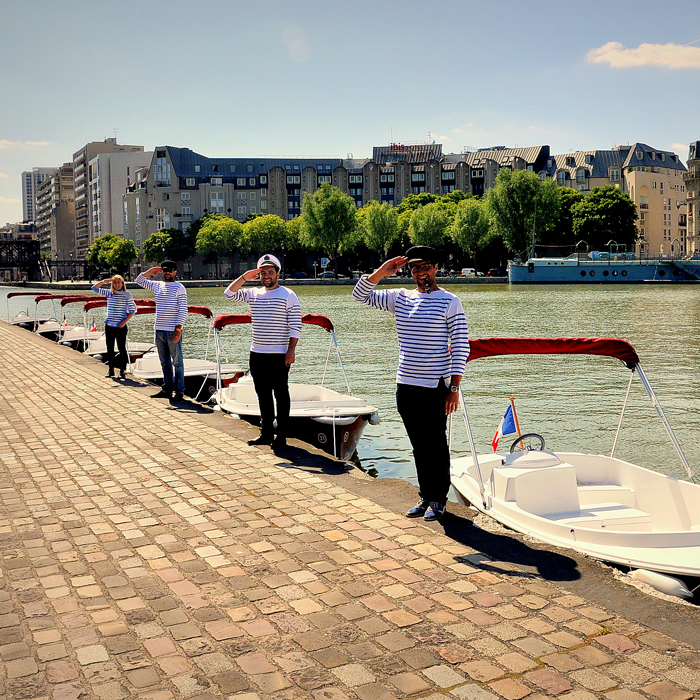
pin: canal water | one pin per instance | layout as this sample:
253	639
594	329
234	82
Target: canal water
574	402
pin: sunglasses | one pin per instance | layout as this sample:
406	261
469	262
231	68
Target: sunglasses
425	267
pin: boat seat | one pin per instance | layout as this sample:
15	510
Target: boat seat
613	516
601	493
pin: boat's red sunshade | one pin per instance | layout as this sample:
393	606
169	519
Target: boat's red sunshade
44	297
230	319
145	302
202	310
611	347
77	298
24	294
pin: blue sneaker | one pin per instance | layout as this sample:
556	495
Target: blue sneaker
435	511
418	510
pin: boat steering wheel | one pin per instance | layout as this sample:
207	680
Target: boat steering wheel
527	442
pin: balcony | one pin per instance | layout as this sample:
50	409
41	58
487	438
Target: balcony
643	206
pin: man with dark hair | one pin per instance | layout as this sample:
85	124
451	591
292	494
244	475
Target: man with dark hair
171	313
433	352
276	318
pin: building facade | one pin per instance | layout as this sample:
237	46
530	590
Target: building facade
692	187
56	214
30	185
653	179
84	204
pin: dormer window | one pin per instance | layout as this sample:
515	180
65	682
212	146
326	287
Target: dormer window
640	155
589	158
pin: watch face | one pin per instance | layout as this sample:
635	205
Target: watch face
454	389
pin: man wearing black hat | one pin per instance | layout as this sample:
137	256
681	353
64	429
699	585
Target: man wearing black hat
433	352
276	316
171	313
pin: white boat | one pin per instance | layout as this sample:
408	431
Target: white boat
200	375
320	416
598	505
78	337
23	318
97	347
51	328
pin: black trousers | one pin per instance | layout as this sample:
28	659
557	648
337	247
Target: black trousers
271	376
422	411
112	334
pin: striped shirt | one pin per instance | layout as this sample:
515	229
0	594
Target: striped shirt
432	330
119	305
171	303
276	317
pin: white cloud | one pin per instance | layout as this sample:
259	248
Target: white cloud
680	148
7	200
444	138
458	130
4	144
4	175
660	55
295	41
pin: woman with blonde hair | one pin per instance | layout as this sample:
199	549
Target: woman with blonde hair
120	309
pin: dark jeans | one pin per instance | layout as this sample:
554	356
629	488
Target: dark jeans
112	334
422	411
271	376
171	362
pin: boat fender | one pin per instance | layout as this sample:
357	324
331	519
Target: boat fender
374	419
662	582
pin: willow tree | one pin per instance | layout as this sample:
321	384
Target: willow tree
329	222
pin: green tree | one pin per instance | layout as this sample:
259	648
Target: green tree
470	226
456	196
218	235
112	252
429	225
263	234
329	221
168	244
379	227
415	201
522	208
605	214
294	238
563	232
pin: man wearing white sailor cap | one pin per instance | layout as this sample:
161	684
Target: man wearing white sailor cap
276	316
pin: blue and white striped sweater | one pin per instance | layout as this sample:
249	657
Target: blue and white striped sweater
119	305
276	317
171	302
432	330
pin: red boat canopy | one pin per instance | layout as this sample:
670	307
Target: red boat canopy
202	310
612	347
313	319
44	297
77	298
23	294
145	302
102	302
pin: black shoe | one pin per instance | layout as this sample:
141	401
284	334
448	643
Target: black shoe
435	511
110	373
122	374
418	510
279	443
162	395
262	440
178	396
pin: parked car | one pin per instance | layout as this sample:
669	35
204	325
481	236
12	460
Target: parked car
299	275
327	274
468	272
494	272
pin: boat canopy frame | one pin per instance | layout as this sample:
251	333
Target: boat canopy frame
607	347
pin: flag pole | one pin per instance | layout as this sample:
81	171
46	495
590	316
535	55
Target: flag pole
515	418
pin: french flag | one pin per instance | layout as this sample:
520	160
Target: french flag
506	427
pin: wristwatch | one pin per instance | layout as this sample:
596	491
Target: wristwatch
454	388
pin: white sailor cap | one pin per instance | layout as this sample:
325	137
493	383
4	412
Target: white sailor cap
269	260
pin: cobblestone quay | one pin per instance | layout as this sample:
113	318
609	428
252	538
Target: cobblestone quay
147	552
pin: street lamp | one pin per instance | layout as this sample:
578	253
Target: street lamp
72	269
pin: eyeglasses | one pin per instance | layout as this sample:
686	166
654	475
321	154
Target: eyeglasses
425	267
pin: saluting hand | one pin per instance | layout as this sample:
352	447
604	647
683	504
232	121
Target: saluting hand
250	275
388	268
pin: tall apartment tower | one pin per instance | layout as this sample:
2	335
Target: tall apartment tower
55	219
84	204
30	185
692	193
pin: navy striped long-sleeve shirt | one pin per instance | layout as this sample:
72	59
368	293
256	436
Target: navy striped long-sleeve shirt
432	330
119	305
171	302
276	317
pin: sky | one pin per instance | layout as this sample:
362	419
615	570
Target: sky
228	78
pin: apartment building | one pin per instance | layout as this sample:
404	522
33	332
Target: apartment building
653	179
180	185
30	184
84	202
692	187
55	220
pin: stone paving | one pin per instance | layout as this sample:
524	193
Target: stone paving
142	556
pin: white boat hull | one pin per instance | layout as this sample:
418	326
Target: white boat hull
604	507
98	348
200	375
327	419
